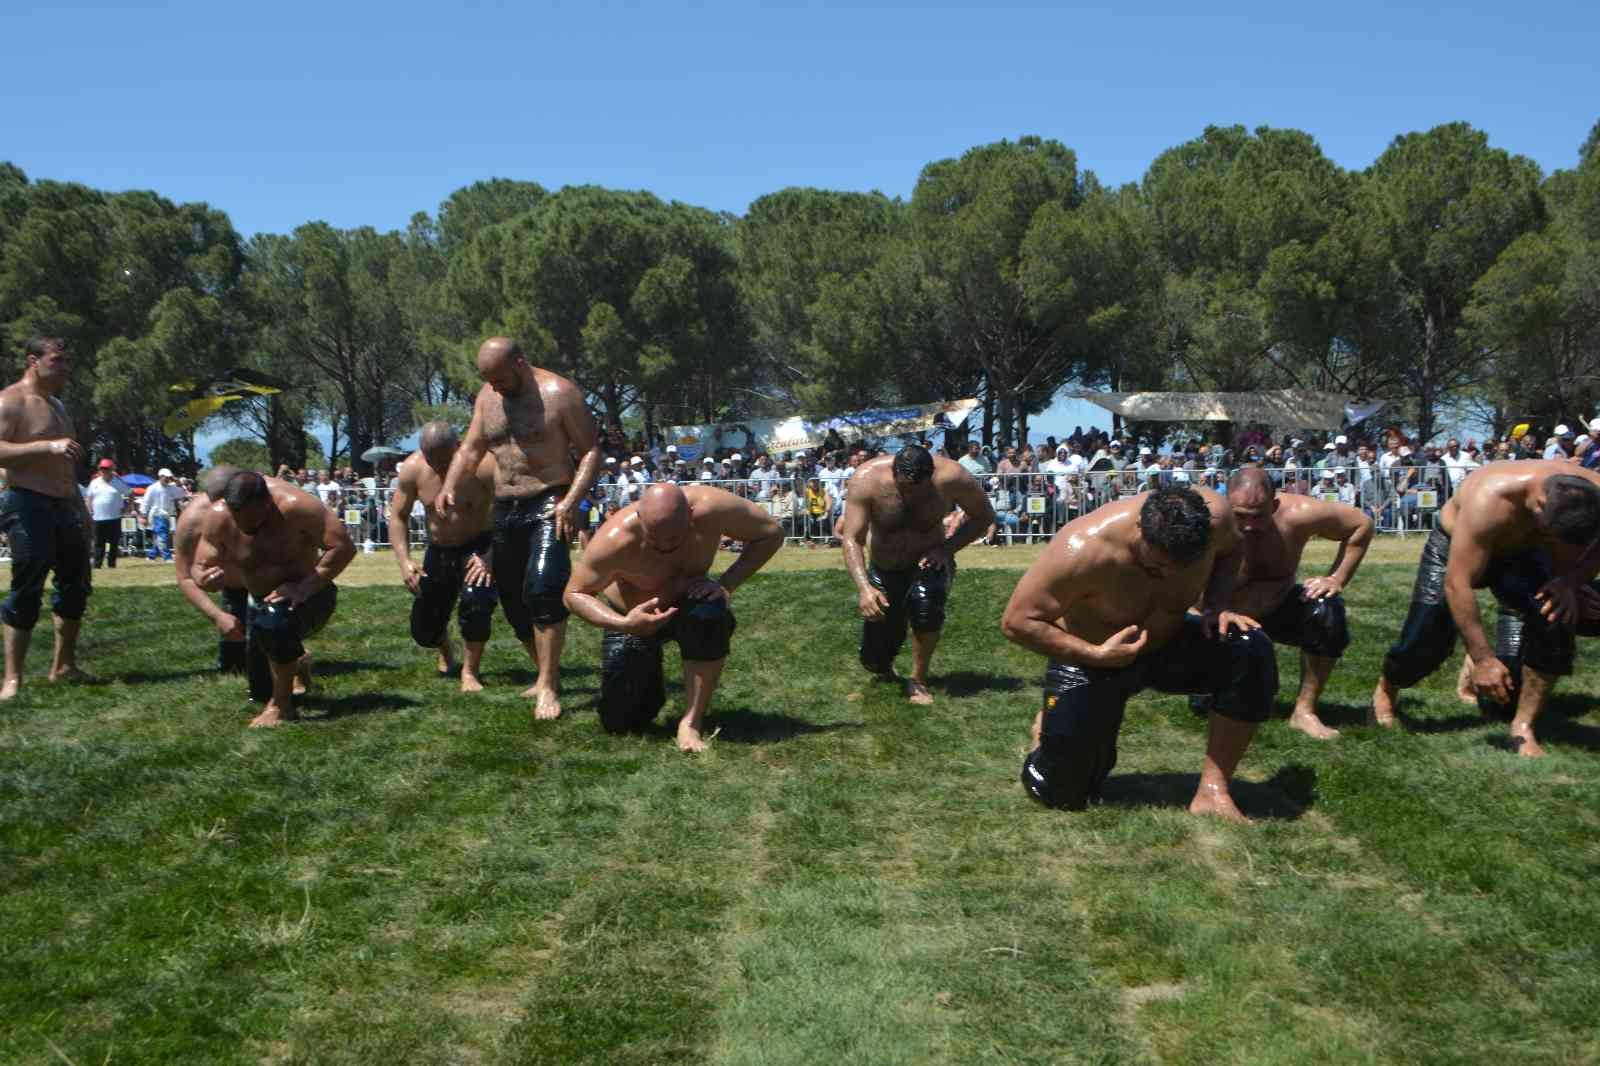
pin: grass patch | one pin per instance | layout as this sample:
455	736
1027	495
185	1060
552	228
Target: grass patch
414	876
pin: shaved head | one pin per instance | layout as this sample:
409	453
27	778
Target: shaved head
436	436
1251	484
213	481
664	514
501	365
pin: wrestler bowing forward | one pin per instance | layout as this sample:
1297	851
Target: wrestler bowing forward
1529	531
534	422
1108	603
1274	530
895	513
645	579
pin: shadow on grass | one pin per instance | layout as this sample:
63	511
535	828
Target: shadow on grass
155	677
1287	795
1339	715
972	683
525	677
339	667
314	708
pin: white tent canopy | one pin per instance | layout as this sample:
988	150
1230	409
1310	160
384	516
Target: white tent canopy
1285	408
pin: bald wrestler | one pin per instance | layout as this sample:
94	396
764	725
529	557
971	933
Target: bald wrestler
457	562
1108	603
895	513
42	513
1274	530
201	569
534	422
288	548
645	579
1529	531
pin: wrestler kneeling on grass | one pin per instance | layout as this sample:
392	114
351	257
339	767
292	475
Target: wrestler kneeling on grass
645	580
1108	603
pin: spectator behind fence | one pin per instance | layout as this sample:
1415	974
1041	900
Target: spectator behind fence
819	508
108	497
159	507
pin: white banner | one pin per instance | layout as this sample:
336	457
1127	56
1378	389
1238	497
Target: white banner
777	435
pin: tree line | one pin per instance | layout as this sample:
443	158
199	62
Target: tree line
1447	273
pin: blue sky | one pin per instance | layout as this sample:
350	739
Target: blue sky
363	113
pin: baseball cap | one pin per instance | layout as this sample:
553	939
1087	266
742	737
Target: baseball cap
1144	451
1297	442
1404	451
611	459
1327	475
636	461
163	472
107	464
1341	439
672	449
1330	446
1594	427
708	461
1116	444
736	457
1563	430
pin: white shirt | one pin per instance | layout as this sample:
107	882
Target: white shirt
329	494
763	480
707	474
833	482
1347	494
1060	468
106	497
1458	466
162	499
1553	450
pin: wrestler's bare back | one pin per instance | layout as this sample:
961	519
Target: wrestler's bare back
474	498
639	572
1091	568
532	435
286	549
27	415
1493	502
899	534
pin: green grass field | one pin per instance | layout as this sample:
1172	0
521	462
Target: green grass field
411	876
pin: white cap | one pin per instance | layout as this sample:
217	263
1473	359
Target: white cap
1144	451
1210	471
708	461
1594	426
1062	448
1563	430
1404	451
1296	442
611	459
672	449
636	461
679	462
1330	446
736	457
1341	439
163	472
1115	444
1327	475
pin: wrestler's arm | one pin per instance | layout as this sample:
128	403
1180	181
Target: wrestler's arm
852	533
1471	550
1062	575
337	547
185	539
975	504
474	446
594	572
400	501
1352	528
761	534
583	438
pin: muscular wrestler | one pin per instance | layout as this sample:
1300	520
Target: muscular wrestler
458	558
534	422
1529	531
42	512
289	548
201	568
645	579
1108	603
1274	531
901	500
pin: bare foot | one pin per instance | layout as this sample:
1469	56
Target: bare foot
470	682
1309	724
689	738
8	691
546	704
69	673
1215	800
1383	704
918	693
273	715
1524	743
302	676
1466	692
447	657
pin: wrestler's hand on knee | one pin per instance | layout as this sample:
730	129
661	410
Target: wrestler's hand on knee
1320	588
646	618
1121	647
873	604
1558	601
1491	678
1219	624
706	589
477	572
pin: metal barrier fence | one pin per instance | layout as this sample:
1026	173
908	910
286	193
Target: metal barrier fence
1028	507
